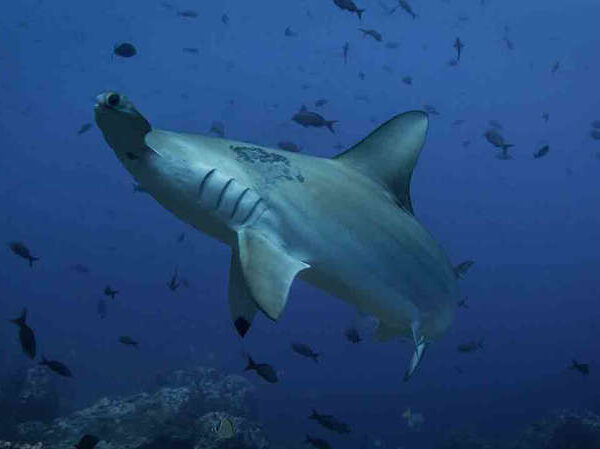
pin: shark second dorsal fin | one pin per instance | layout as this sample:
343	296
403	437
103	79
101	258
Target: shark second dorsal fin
268	271
389	154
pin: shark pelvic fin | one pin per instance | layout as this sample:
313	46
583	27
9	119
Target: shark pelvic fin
420	346
389	154
268	271
242	305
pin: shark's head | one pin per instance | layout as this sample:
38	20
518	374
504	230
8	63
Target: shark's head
124	128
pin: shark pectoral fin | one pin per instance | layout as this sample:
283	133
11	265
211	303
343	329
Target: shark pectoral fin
389	154
242	305
268	271
416	359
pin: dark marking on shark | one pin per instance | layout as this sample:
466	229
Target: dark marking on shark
276	166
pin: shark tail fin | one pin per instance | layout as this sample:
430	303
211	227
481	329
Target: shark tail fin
389	154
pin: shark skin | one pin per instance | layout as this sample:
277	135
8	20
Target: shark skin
344	225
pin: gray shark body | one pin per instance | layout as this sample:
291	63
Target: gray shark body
345	224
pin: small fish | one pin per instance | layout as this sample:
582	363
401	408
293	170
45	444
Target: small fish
361	75
87	442
308	118
57	367
330	422
264	370
463	303
26	335
225	429
288	146
125	50
373	33
352	335
84	128
392	45
188	14
555	67
173	284
21	250
407	80
108	291
101	308
305	351
181	237
509	44
466	143
128	341
462	268
289	33
217	128
430	110
413	420
458	45
406	7
496	139
470	346
345	49
225	19
349	5
317	443
545	117
541	152
80	268
595	134
583	368
191	50
321	102
596	124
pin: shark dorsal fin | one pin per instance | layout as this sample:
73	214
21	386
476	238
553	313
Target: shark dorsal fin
389	154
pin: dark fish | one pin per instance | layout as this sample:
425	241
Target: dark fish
87	442
181	237
470	346
84	128
330	422
458	45
225	19
349	5
317	443
509	43
407	80
541	152
306	351
125	50
463	303
352	335
496	139
307	118
217	128
80	268
452	63
595	134
406	7
288	146
21	250
321	102
128	341
102	308
466	143
361	75
108	291
583	368
555	67
545	117
345	49
289	33
191	50
173	284
264	370
373	33
462	268
26	335
188	14
57	367
138	188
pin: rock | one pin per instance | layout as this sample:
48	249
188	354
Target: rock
9	445
38	398
182	414
464	440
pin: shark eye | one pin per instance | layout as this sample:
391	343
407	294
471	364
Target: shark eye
113	100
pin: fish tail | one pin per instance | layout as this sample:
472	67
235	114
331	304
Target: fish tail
359	12
20	321
32	259
315	357
330	124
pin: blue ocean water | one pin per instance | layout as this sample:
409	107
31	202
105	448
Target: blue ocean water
530	224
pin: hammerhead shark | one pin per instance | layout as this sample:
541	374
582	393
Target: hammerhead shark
345	225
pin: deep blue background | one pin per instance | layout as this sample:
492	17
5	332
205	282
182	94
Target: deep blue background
532	226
